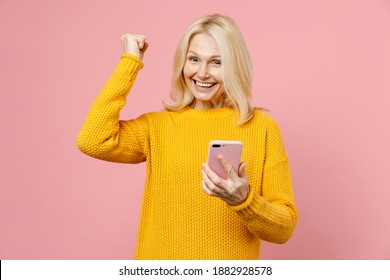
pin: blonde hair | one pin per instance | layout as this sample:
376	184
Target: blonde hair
236	66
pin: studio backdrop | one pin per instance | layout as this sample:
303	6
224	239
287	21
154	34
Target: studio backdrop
322	68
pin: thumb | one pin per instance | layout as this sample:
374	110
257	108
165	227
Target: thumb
141	42
241	170
145	46
142	49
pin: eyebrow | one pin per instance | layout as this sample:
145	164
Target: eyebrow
213	56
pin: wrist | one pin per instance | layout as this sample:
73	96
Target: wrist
246	202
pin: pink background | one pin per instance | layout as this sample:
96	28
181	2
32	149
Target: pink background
321	67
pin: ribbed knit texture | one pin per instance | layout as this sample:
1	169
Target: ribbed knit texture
178	219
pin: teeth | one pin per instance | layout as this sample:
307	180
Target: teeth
206	85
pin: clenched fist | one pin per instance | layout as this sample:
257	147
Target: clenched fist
134	44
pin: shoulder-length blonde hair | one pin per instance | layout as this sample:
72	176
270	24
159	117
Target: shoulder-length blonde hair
236	66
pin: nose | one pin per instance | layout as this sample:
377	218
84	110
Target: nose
203	72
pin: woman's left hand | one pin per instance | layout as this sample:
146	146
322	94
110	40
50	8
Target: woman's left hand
234	190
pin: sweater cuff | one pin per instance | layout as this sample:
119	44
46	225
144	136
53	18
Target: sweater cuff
246	203
134	58
131	63
127	68
251	206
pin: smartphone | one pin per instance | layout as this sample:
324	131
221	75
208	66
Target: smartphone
231	150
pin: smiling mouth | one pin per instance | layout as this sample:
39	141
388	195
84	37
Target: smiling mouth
204	85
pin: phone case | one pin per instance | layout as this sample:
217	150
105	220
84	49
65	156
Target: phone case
230	149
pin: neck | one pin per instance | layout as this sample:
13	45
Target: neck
202	105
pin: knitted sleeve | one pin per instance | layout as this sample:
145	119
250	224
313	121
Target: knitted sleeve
272	215
103	135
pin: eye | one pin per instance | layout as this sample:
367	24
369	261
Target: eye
193	59
217	62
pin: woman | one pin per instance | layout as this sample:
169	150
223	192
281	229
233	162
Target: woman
188	212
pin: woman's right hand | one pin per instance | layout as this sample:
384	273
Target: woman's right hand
134	44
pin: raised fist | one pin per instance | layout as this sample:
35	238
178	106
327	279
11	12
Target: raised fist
134	44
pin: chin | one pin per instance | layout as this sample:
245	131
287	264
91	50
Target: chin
204	97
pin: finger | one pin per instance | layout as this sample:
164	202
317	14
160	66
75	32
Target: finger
211	185
228	167
140	44
208	190
216	180
124	38
141	39
242	170
146	46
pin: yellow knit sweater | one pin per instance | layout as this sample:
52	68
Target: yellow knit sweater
178	219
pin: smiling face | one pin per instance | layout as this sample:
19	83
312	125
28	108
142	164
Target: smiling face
203	71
